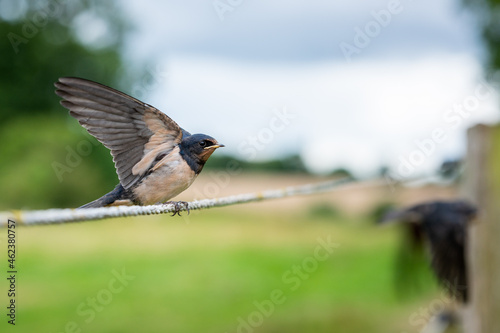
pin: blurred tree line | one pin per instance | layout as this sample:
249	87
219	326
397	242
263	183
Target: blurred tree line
488	18
289	164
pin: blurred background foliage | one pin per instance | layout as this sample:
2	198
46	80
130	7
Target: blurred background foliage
488	19
39	47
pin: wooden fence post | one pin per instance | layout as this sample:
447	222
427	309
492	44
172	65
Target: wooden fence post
482	186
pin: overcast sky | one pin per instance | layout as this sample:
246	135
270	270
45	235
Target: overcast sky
351	84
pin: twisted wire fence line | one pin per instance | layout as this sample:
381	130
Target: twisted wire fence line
61	216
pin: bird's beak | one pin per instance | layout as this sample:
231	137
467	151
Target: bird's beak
214	146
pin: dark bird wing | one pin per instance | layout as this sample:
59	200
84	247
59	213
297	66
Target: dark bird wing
446	229
444	225
448	261
135	132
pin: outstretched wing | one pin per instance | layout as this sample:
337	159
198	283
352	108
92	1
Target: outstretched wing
135	132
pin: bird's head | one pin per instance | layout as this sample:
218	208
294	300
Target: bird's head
200	146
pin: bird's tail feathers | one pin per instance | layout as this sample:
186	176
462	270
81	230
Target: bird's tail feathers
93	204
107	199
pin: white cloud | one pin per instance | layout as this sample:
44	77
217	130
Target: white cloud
351	115
226	77
285	30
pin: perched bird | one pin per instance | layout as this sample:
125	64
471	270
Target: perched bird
444	225
155	159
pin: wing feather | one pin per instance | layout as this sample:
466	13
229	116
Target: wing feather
135	132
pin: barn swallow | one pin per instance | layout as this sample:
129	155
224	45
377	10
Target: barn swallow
155	158
443	224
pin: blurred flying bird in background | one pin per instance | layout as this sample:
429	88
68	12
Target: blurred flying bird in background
442	225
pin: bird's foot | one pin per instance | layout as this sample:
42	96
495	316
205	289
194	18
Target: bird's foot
177	205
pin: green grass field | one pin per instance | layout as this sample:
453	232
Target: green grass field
214	271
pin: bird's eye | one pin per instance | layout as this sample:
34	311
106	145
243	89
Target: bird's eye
203	143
